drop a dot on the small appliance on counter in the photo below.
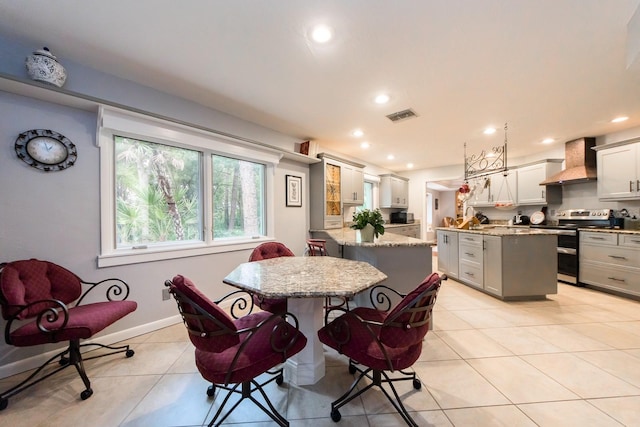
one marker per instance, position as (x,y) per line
(520,220)
(401,218)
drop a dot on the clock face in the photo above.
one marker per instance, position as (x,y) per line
(46,150)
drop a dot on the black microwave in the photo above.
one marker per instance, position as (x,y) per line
(401,218)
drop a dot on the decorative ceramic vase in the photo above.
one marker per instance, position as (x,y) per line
(367,233)
(44,67)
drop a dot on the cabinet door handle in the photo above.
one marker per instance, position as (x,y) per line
(469,254)
(468,273)
(617,257)
(596,238)
(616,279)
(638,185)
(630,186)
(542,193)
(634,241)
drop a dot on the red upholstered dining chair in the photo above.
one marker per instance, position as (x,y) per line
(379,342)
(317,247)
(230,351)
(266,251)
(43,303)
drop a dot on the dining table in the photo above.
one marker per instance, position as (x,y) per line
(305,282)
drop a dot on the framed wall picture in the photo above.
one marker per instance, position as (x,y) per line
(294,191)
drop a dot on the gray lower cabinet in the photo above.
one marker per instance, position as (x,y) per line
(610,261)
(493,264)
(410,230)
(506,266)
(470,257)
(448,253)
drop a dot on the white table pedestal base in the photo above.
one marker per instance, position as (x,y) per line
(307,367)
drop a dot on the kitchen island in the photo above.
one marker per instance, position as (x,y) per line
(510,263)
(405,260)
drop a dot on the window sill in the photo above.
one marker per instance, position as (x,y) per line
(150,254)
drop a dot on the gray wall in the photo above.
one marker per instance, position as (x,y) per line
(56,216)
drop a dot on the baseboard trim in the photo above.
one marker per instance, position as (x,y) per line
(33,362)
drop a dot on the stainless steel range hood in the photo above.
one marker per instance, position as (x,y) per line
(580,163)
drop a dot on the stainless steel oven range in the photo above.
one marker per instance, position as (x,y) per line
(566,225)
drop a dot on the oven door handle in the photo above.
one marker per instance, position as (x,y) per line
(567,251)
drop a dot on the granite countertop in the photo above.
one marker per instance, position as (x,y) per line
(351,237)
(300,277)
(610,230)
(491,230)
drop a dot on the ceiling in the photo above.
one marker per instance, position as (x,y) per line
(549,68)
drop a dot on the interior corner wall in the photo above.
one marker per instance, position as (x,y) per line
(56,216)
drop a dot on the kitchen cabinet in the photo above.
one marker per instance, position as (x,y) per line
(610,261)
(530,192)
(394,191)
(492,264)
(619,172)
(352,185)
(470,257)
(331,181)
(448,253)
(506,263)
(409,230)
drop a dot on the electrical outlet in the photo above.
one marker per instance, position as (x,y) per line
(165,294)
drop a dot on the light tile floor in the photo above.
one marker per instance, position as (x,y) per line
(570,360)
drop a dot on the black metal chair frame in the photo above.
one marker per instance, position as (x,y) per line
(379,378)
(243,302)
(72,355)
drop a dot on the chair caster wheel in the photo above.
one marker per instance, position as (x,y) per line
(86,394)
(129,353)
(352,369)
(211,390)
(4,402)
(335,415)
(417,384)
(279,379)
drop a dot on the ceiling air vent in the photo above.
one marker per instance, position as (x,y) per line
(402,115)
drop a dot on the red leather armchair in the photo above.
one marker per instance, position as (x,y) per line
(380,342)
(266,251)
(231,352)
(43,303)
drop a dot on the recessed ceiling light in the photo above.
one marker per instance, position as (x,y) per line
(383,98)
(619,119)
(390,157)
(365,144)
(321,33)
(410,165)
(548,140)
(357,133)
(489,131)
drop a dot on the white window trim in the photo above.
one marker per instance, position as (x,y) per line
(112,121)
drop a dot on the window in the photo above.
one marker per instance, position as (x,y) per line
(172,191)
(157,193)
(238,194)
(368,195)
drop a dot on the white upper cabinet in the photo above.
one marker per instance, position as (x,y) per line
(352,185)
(530,192)
(619,172)
(394,191)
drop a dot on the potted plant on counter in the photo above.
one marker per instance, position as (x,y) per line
(370,224)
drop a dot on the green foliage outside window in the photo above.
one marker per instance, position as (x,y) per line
(157,193)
